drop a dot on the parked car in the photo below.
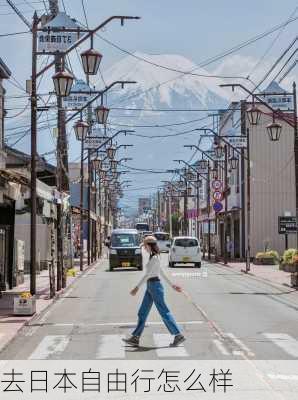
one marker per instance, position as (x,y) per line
(163,241)
(125,250)
(185,250)
(146,233)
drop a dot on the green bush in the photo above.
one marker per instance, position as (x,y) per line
(288,256)
(274,254)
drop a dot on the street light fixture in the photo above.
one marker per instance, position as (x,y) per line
(111,152)
(214,172)
(101,114)
(219,151)
(91,60)
(203,164)
(103,174)
(97,164)
(233,163)
(274,131)
(114,164)
(254,115)
(81,130)
(63,81)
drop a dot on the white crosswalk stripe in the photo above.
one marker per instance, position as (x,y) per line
(111,346)
(53,345)
(220,346)
(285,342)
(162,341)
(242,346)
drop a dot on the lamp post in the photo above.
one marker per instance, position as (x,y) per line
(62,83)
(203,166)
(81,130)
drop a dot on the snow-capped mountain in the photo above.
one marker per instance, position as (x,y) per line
(158,87)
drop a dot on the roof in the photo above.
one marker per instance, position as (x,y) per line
(273,88)
(4,70)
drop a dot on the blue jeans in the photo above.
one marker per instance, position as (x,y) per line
(155,293)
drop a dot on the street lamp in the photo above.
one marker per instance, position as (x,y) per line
(113,164)
(97,163)
(111,152)
(101,114)
(203,164)
(233,162)
(103,174)
(274,131)
(91,60)
(218,150)
(214,172)
(63,81)
(254,115)
(81,130)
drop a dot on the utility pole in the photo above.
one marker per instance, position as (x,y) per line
(33,157)
(185,210)
(226,205)
(62,166)
(208,212)
(198,206)
(89,236)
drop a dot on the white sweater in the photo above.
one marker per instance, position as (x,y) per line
(153,269)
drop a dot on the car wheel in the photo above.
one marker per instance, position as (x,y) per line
(198,265)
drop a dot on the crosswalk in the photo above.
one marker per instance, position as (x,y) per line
(111,346)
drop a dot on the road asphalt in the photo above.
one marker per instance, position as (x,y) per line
(223,314)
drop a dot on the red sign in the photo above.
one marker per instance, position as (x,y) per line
(217,184)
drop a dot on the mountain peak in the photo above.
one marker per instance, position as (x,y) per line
(159,74)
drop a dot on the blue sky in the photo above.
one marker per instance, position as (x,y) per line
(197,30)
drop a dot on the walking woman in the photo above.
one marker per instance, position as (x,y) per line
(154,294)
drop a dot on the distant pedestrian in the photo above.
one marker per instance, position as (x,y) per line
(154,294)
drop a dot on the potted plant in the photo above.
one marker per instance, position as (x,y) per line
(269,257)
(25,304)
(289,261)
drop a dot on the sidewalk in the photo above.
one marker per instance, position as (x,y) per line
(10,324)
(270,273)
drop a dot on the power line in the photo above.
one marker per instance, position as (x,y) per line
(14,34)
(218,56)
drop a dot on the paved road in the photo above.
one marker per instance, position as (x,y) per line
(224,315)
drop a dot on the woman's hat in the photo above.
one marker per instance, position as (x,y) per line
(150,240)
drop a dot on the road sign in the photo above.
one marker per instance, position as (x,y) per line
(237,141)
(80,95)
(53,40)
(93,142)
(217,206)
(287,225)
(216,184)
(217,195)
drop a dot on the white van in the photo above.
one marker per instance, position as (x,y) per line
(184,250)
(163,241)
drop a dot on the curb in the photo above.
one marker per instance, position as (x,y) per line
(278,286)
(51,303)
